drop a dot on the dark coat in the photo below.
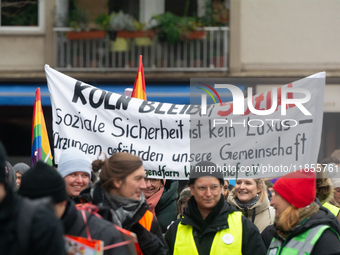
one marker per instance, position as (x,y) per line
(100,229)
(151,242)
(328,243)
(45,235)
(251,238)
(166,207)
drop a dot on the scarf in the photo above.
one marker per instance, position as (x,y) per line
(248,205)
(154,199)
(304,214)
(196,216)
(123,209)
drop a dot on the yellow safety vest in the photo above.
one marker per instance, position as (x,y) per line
(226,241)
(300,244)
(332,208)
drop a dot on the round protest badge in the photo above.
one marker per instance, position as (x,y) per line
(228,239)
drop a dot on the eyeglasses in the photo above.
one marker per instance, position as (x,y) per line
(213,188)
(152,181)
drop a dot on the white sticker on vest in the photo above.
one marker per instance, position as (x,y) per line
(228,239)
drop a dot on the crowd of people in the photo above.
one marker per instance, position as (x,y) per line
(294,214)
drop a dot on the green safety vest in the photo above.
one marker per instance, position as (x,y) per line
(332,208)
(226,241)
(302,244)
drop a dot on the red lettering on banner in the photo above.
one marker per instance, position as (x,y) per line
(226,113)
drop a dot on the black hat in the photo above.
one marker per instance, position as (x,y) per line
(204,169)
(42,180)
(3,156)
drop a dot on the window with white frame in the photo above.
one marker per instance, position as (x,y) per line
(22,15)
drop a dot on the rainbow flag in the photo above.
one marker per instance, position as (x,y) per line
(139,86)
(40,145)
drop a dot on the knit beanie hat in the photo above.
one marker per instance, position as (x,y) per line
(297,188)
(42,180)
(336,183)
(3,156)
(21,168)
(268,183)
(185,193)
(73,160)
(205,169)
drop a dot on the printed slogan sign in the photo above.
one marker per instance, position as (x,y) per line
(172,138)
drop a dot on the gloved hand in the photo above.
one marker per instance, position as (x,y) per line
(148,242)
(142,233)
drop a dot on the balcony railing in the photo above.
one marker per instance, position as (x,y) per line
(208,53)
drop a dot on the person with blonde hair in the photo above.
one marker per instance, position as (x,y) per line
(302,227)
(250,197)
(120,187)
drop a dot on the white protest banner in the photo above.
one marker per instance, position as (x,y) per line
(275,140)
(172,138)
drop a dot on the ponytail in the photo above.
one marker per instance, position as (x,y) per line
(116,167)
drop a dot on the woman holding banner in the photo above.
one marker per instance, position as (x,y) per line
(120,185)
(250,197)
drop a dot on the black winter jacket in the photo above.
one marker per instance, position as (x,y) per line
(151,242)
(328,243)
(100,229)
(251,238)
(45,235)
(166,207)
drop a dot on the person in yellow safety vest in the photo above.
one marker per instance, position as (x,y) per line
(333,209)
(120,185)
(302,227)
(331,164)
(210,225)
(324,190)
